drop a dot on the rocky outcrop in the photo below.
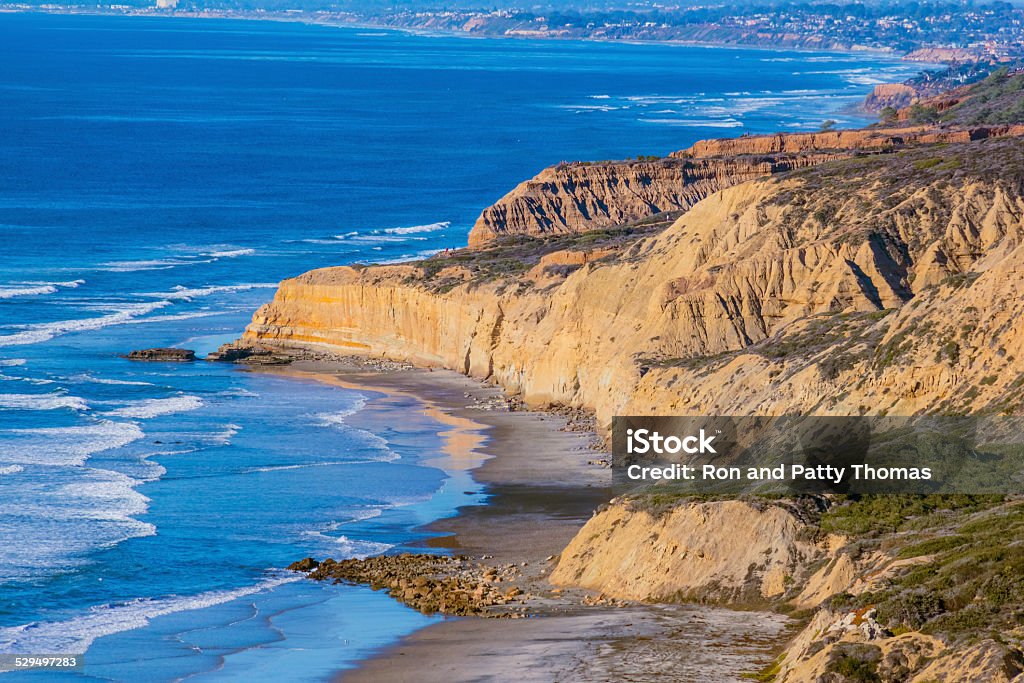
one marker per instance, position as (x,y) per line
(770,297)
(850,140)
(891,95)
(167,355)
(729,551)
(948,55)
(431,584)
(579,197)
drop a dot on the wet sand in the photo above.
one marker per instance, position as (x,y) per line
(541,491)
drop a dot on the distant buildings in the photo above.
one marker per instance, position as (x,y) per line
(166,4)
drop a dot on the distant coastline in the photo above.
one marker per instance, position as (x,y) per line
(354,21)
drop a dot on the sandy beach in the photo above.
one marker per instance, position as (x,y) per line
(542,488)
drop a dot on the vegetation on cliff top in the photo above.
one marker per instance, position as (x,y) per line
(964,576)
(509,257)
(996,100)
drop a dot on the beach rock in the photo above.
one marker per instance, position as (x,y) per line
(250,355)
(307,564)
(428,583)
(163,354)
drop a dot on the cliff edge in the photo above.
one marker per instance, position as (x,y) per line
(860,285)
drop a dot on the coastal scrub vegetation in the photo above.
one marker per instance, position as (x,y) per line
(508,257)
(997,100)
(963,579)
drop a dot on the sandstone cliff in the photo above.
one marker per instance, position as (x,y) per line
(884,283)
(917,605)
(894,95)
(577,197)
(864,285)
(730,551)
(849,140)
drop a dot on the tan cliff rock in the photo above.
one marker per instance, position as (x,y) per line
(577,197)
(894,95)
(728,551)
(889,283)
(851,140)
(768,297)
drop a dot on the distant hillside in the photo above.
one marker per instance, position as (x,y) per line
(996,100)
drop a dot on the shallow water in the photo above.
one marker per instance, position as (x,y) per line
(159,177)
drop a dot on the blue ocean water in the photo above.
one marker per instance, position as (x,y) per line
(157,178)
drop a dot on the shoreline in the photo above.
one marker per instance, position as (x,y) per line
(360,25)
(539,490)
(522,459)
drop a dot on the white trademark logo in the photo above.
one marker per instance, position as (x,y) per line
(641,441)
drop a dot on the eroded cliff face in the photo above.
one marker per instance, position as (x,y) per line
(883,602)
(578,197)
(889,283)
(866,139)
(894,95)
(730,551)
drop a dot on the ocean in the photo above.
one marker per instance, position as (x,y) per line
(158,177)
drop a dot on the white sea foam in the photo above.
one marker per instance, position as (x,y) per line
(380,238)
(147,264)
(40,332)
(230,253)
(181,292)
(157,407)
(348,548)
(414,229)
(279,468)
(695,123)
(361,516)
(174,316)
(11,292)
(224,436)
(332,241)
(66,445)
(239,392)
(51,401)
(405,258)
(11,362)
(581,108)
(76,635)
(29,380)
(374,237)
(11,469)
(85,377)
(106,495)
(35,288)
(337,418)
